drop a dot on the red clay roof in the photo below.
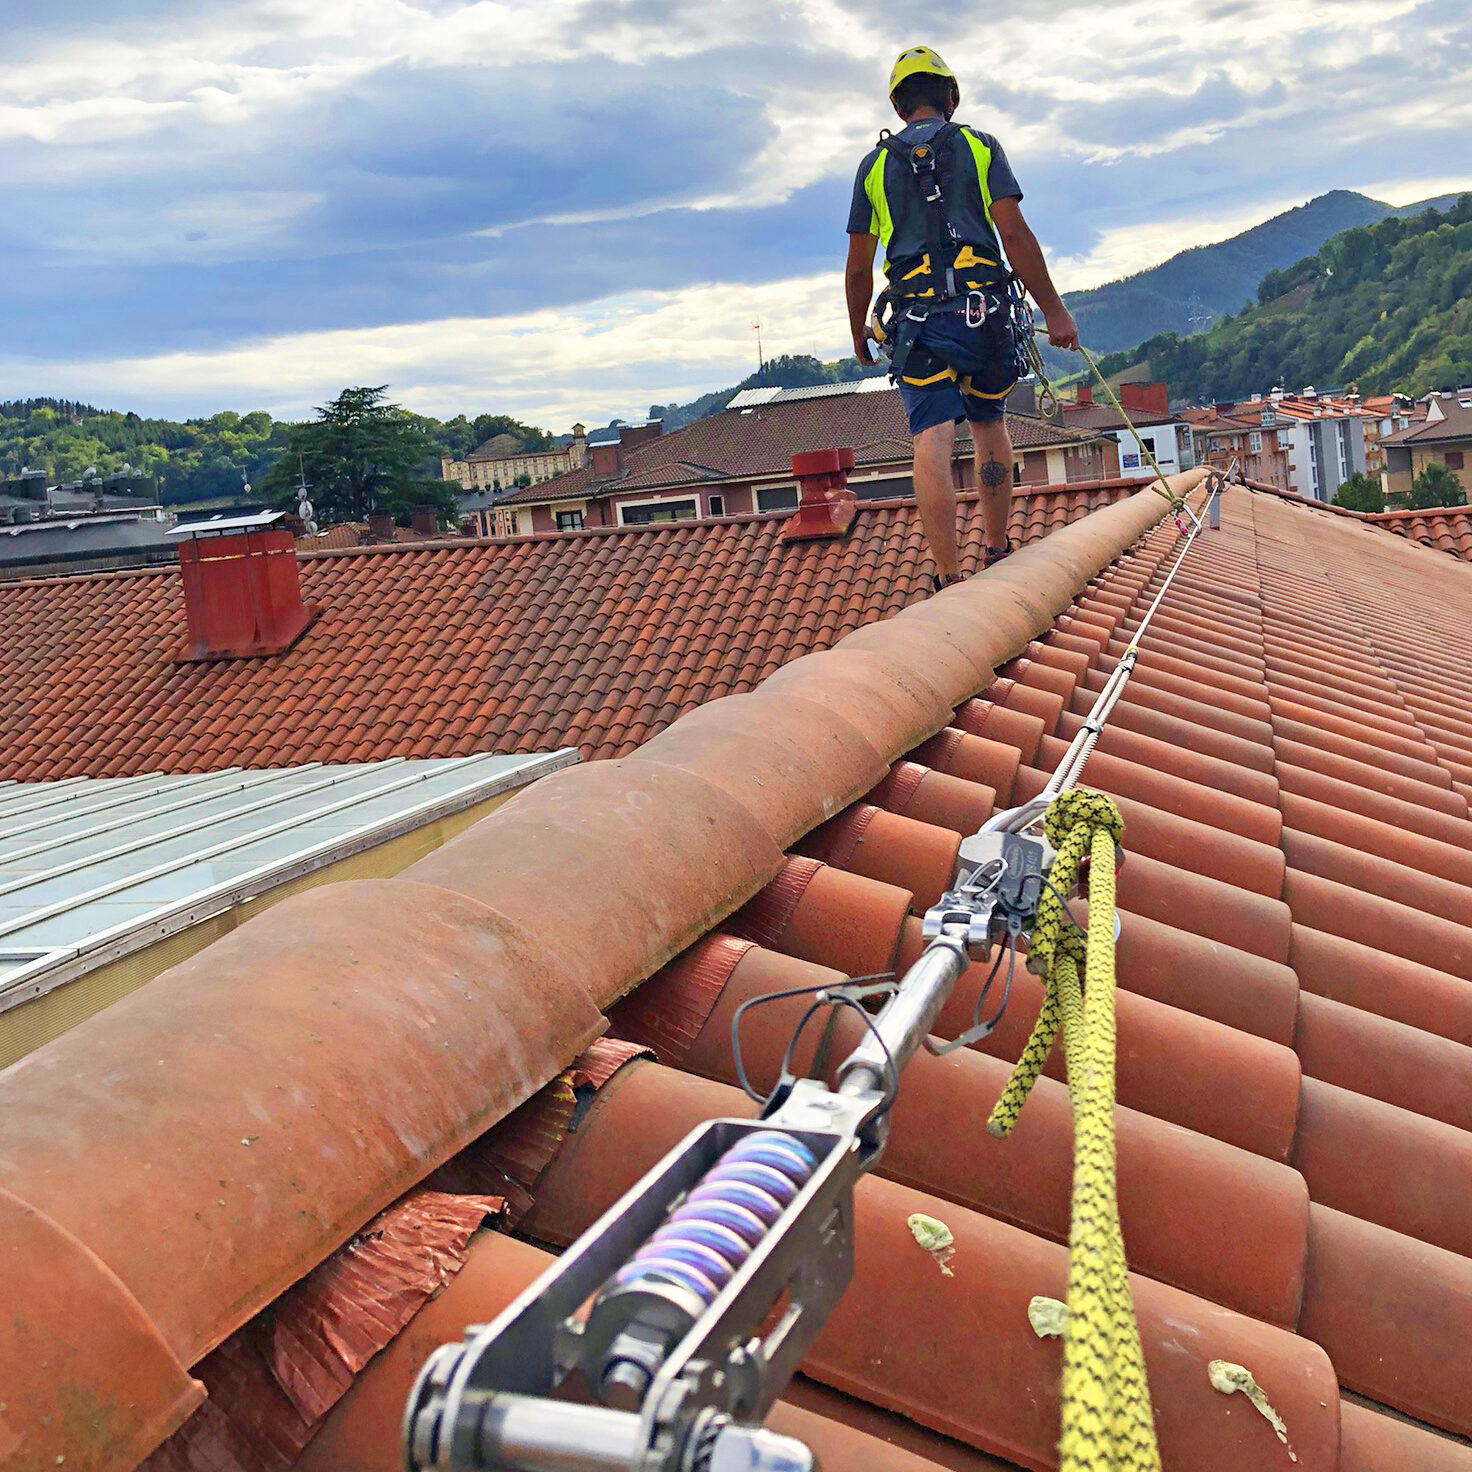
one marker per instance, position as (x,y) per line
(1096,417)
(1448,530)
(1293,759)
(592,639)
(762,441)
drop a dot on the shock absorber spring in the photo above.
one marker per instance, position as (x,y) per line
(718,1225)
(703,1243)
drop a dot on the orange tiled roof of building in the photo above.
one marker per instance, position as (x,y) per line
(763,439)
(350,534)
(1293,760)
(1448,529)
(594,639)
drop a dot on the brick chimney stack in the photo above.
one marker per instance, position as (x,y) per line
(607,459)
(1145,398)
(242,593)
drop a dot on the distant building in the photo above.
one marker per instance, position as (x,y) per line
(1444,437)
(29,496)
(500,463)
(1308,443)
(90,541)
(1393,413)
(739,461)
(1165,436)
(1248,433)
(1326,438)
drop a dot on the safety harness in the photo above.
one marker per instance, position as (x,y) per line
(952,274)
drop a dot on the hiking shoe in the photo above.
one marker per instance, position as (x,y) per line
(942,580)
(993,555)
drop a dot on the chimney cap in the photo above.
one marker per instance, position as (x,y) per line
(220,526)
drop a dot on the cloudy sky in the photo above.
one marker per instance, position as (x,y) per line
(568,209)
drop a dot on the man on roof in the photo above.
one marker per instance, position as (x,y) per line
(943,201)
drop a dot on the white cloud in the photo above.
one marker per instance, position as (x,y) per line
(1413,191)
(1117,116)
(615,356)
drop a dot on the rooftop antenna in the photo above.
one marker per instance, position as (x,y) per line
(761,362)
(304,507)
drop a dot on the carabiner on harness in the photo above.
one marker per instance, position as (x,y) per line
(976,309)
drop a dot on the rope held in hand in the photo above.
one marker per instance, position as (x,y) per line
(1108,1425)
(1048,396)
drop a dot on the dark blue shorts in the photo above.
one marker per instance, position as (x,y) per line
(956,372)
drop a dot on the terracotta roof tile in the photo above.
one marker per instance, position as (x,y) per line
(1295,962)
(1290,934)
(1448,530)
(575,638)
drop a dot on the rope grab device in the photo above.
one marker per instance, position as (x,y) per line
(680,1316)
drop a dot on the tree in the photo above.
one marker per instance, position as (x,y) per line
(1361,492)
(488,426)
(1437,485)
(360,455)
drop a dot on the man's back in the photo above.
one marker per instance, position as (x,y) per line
(973,172)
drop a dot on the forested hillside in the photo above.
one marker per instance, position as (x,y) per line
(1386,307)
(196,460)
(1192,290)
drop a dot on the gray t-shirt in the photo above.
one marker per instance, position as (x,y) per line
(973,172)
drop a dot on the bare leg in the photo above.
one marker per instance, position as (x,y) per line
(994,478)
(935,493)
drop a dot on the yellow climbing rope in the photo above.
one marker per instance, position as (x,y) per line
(1108,1425)
(1048,395)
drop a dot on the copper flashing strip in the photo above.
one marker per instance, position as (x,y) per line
(273,1381)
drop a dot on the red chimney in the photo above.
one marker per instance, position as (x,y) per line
(826,507)
(425,520)
(607,459)
(1147,398)
(630,435)
(1085,394)
(242,596)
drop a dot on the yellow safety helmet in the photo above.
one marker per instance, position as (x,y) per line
(921,61)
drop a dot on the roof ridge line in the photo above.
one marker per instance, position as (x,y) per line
(669,841)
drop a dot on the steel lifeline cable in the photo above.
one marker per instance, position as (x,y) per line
(664,1307)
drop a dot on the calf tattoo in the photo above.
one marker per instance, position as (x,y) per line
(993,473)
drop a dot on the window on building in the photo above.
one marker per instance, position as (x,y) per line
(717,505)
(780,498)
(1147,444)
(660,511)
(569,521)
(1017,472)
(1254,442)
(1454,459)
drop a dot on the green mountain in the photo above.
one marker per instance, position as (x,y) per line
(1197,287)
(1386,306)
(1183,295)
